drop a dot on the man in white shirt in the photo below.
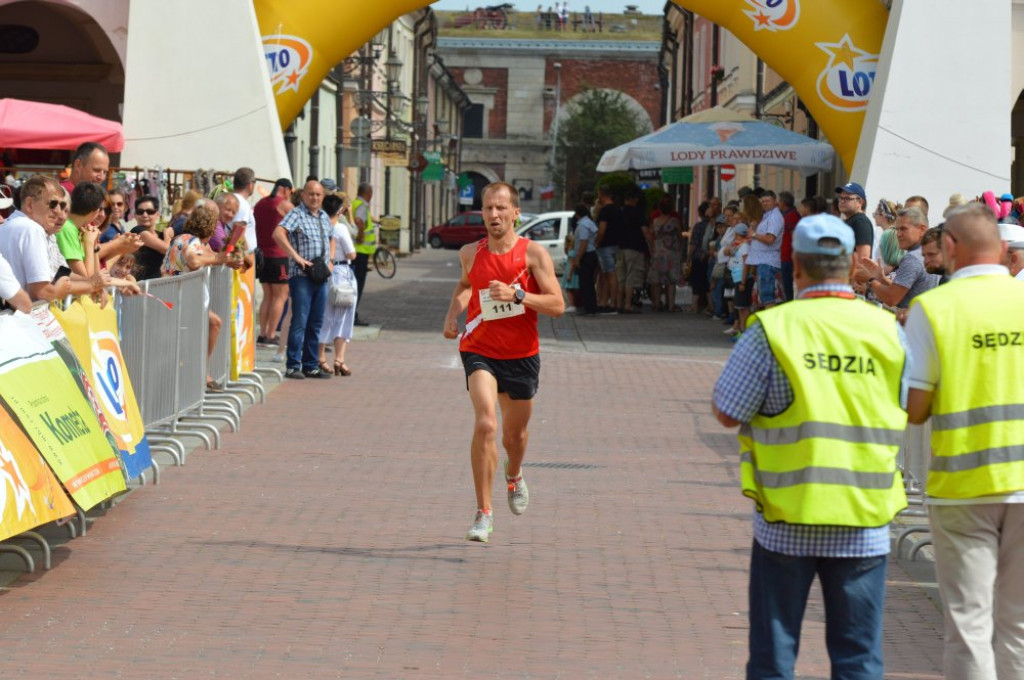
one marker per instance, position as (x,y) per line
(766,250)
(1013,236)
(23,243)
(11,291)
(968,357)
(245,185)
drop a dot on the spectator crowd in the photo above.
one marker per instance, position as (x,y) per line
(79,237)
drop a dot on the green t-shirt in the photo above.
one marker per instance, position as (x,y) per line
(70,243)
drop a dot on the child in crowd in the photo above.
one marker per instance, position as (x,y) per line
(742,275)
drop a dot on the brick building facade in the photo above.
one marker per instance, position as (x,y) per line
(515,89)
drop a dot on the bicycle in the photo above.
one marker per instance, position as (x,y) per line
(384,262)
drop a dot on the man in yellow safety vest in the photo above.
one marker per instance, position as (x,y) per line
(968,349)
(817,387)
(365,242)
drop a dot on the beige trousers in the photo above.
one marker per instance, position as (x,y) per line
(979,555)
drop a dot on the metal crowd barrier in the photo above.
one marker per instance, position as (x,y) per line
(913,460)
(248,385)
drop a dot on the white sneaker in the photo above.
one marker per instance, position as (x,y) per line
(570,309)
(482,527)
(518,494)
(278,358)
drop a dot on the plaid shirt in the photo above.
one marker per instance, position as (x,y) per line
(309,235)
(753,382)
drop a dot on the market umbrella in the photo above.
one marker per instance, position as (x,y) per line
(36,125)
(718,137)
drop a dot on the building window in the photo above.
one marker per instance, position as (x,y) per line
(16,39)
(473,122)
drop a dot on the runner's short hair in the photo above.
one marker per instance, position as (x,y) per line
(512,191)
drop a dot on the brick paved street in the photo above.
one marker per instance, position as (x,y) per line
(326,538)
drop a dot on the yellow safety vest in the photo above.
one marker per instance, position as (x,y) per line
(830,458)
(369,244)
(978,405)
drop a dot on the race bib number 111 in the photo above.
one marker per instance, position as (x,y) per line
(491,310)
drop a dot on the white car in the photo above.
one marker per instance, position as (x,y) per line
(550,229)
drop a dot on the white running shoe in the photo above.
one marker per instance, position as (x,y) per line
(482,527)
(278,358)
(518,494)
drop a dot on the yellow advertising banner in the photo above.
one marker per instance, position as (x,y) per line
(29,493)
(40,391)
(92,332)
(302,41)
(826,49)
(243,336)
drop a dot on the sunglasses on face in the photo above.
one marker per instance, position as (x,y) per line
(146,211)
(107,209)
(52,205)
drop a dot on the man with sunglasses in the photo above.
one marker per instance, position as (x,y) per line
(23,243)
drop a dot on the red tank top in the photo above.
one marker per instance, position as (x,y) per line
(514,337)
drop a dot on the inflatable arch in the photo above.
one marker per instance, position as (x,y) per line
(826,49)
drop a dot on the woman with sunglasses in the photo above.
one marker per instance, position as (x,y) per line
(154,246)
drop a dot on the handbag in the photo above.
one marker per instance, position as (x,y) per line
(341,294)
(318,271)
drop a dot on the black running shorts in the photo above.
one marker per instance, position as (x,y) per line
(519,378)
(274,270)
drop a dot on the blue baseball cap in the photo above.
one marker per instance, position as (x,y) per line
(741,229)
(811,230)
(852,188)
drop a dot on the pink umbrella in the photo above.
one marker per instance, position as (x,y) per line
(35,125)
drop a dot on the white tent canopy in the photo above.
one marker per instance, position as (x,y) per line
(719,137)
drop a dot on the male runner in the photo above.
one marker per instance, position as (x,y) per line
(506,280)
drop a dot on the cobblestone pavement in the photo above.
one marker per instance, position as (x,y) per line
(326,538)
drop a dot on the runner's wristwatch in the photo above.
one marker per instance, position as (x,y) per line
(519,296)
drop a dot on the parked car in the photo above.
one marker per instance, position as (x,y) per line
(462,229)
(550,229)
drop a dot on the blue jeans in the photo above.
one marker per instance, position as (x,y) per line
(309,302)
(767,276)
(854,594)
(718,297)
(787,280)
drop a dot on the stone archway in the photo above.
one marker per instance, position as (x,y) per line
(481,176)
(59,53)
(636,107)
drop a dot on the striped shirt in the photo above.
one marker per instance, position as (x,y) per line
(754,383)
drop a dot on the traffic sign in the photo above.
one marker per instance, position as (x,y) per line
(727,173)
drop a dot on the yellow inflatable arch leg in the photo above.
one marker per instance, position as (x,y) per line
(304,39)
(826,49)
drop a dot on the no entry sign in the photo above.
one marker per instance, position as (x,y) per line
(727,173)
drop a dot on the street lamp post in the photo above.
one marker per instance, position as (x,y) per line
(554,123)
(393,69)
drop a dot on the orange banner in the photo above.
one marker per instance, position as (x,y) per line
(29,493)
(243,323)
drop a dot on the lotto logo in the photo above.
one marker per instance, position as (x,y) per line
(845,83)
(288,60)
(107,374)
(773,15)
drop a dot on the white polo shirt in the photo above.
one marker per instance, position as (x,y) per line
(9,285)
(23,245)
(244,214)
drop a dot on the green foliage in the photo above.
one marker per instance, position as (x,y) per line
(616,184)
(652,198)
(596,121)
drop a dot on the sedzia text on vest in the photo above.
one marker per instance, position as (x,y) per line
(836,363)
(995,340)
